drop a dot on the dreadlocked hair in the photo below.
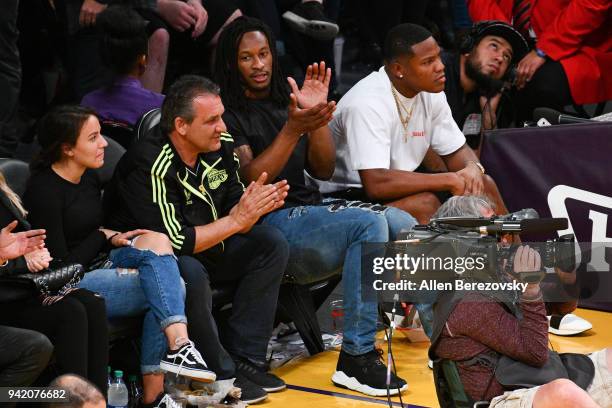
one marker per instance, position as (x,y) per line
(227,74)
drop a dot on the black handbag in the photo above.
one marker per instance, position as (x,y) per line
(50,285)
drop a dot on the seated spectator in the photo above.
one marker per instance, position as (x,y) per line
(475,328)
(82,57)
(75,324)
(571,58)
(476,78)
(183,180)
(281,131)
(80,393)
(386,123)
(64,197)
(124,51)
(25,352)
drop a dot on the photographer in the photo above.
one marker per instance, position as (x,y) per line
(479,330)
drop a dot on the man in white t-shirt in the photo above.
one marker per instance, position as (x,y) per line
(384,126)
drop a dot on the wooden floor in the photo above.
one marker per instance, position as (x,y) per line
(309,383)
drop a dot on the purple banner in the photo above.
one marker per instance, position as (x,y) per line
(561,171)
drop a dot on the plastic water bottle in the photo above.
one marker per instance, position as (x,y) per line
(109,379)
(118,393)
(135,391)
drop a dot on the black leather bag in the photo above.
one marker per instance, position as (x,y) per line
(50,285)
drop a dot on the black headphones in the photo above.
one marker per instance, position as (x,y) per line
(479,30)
(470,40)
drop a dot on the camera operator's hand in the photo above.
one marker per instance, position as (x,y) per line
(527,259)
(473,177)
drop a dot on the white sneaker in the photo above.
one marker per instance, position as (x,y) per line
(567,325)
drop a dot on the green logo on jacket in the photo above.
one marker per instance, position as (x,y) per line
(216,177)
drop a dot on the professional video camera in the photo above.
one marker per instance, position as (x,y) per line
(480,238)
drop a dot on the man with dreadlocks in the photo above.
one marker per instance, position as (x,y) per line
(282,130)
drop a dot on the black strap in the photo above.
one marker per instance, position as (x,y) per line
(555,321)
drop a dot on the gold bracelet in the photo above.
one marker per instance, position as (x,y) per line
(479,165)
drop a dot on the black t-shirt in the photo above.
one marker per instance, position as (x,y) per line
(462,105)
(258,127)
(71,214)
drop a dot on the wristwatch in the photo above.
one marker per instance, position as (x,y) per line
(480,166)
(540,53)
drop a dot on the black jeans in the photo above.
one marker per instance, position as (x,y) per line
(25,354)
(254,262)
(76,325)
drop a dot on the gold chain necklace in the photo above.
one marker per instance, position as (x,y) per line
(400,106)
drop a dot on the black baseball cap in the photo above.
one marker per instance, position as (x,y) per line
(520,47)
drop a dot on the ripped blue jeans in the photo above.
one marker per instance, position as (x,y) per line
(326,238)
(155,291)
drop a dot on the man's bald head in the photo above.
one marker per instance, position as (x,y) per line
(80,392)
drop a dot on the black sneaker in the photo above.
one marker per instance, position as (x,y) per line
(187,361)
(249,393)
(367,374)
(258,375)
(309,18)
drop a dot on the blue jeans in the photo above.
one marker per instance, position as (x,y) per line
(323,239)
(155,291)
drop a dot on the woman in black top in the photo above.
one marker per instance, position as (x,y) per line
(76,324)
(64,197)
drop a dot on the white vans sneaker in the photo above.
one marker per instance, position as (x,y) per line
(567,325)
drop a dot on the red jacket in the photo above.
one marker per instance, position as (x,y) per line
(577,33)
